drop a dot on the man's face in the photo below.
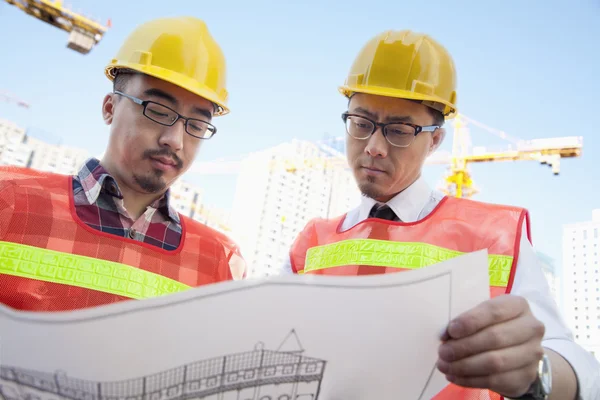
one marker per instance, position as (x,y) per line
(382,170)
(145,155)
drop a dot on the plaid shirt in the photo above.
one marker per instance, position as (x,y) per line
(99,204)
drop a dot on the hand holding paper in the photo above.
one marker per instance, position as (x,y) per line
(496,345)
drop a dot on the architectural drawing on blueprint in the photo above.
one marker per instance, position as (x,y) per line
(259,374)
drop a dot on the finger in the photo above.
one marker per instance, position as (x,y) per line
(495,362)
(510,384)
(511,333)
(490,312)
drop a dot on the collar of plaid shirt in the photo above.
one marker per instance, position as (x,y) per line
(98,201)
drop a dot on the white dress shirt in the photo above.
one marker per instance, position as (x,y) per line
(418,200)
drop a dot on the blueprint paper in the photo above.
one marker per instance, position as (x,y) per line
(281,338)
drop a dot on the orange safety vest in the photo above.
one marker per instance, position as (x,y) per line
(52,261)
(377,246)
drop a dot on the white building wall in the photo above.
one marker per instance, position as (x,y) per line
(185,197)
(581,281)
(58,159)
(274,201)
(12,149)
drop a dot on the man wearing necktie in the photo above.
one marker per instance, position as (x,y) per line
(401,89)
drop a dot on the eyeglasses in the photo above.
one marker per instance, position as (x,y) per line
(399,134)
(165,116)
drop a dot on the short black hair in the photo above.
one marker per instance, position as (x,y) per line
(438,116)
(122,78)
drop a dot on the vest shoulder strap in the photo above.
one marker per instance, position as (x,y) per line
(309,237)
(206,237)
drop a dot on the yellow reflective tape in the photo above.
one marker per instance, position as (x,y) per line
(86,272)
(395,255)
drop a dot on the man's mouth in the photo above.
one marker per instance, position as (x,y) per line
(164,163)
(372,170)
(165,160)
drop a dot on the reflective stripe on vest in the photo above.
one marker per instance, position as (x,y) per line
(395,255)
(85,272)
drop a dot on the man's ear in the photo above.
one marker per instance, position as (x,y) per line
(437,138)
(108,108)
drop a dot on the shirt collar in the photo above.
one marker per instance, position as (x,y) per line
(407,204)
(164,206)
(95,179)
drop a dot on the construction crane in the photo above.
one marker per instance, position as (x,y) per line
(548,151)
(84,33)
(10,98)
(458,181)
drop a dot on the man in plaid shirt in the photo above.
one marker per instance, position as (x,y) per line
(110,233)
(99,203)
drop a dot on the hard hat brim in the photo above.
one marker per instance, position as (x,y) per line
(172,77)
(449,111)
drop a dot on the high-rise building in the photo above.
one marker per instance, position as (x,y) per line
(216,218)
(581,276)
(278,191)
(54,158)
(12,149)
(187,199)
(19,149)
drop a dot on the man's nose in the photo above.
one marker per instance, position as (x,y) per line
(173,136)
(377,145)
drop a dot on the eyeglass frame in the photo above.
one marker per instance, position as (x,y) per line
(418,128)
(145,103)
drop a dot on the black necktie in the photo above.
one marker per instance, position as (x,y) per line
(383,211)
(379,232)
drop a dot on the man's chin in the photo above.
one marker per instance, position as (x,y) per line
(370,189)
(151,185)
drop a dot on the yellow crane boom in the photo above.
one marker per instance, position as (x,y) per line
(84,33)
(458,181)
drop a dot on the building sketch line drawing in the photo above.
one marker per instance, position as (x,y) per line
(260,374)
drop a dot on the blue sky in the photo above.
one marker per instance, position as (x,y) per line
(528,68)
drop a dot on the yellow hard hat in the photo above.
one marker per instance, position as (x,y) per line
(178,50)
(406,65)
